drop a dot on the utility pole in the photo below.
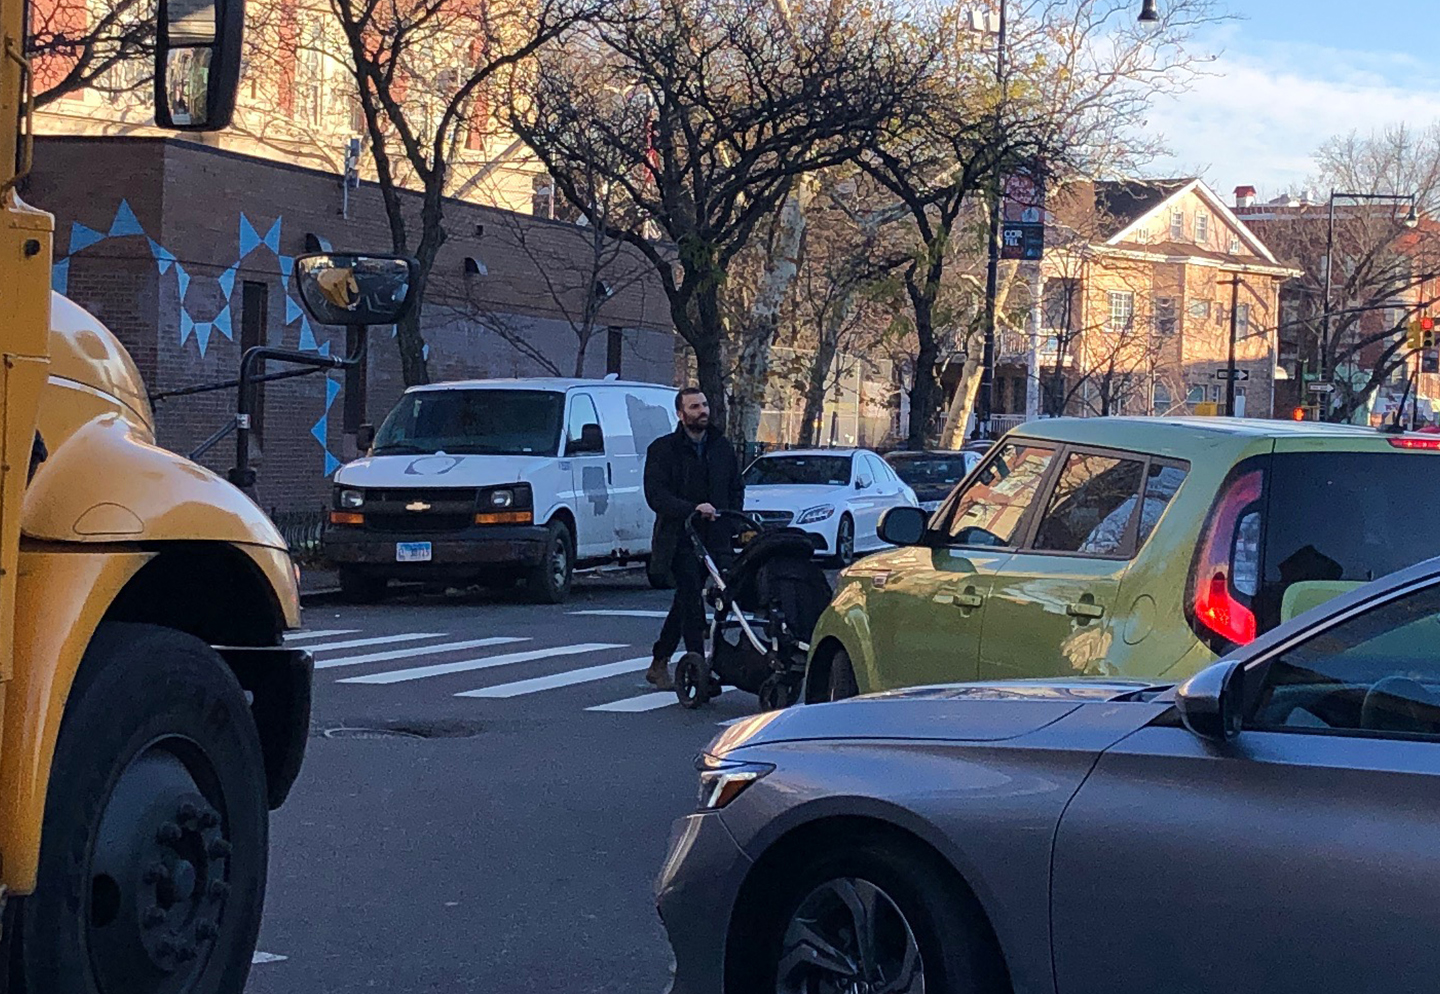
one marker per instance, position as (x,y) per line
(992,271)
(1230,364)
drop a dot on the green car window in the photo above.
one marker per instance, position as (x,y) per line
(1092,505)
(991,509)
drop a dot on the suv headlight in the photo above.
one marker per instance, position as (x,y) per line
(351,498)
(722,780)
(813,514)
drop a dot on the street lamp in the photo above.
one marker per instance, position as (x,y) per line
(1149,18)
(1411,220)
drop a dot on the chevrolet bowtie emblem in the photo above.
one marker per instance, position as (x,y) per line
(418,505)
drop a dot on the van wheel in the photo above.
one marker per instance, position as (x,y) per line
(362,588)
(153,852)
(842,677)
(549,582)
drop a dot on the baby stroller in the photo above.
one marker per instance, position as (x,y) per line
(765,606)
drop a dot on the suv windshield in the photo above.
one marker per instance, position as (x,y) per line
(930,470)
(487,422)
(831,471)
(1346,516)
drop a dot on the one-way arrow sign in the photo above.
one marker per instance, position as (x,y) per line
(1240,374)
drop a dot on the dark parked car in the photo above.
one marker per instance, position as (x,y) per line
(1269,825)
(932,474)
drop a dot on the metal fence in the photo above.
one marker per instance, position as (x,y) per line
(302,531)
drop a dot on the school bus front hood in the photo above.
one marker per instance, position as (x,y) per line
(85,356)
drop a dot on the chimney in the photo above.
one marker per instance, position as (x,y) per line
(1244,196)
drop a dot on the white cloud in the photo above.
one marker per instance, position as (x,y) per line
(1260,117)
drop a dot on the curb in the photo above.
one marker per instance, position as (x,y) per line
(319,596)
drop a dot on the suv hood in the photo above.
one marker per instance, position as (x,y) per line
(972,712)
(427,471)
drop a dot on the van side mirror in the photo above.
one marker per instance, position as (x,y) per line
(353,288)
(902,526)
(1212,702)
(591,440)
(365,437)
(197,63)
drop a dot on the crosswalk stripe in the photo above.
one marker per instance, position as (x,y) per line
(298,636)
(379,640)
(567,679)
(466,665)
(417,650)
(645,702)
(621,614)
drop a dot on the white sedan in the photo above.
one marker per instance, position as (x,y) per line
(837,495)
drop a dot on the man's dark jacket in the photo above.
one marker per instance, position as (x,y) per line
(676,480)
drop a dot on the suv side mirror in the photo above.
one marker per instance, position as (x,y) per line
(1212,702)
(197,63)
(902,526)
(591,440)
(365,438)
(354,288)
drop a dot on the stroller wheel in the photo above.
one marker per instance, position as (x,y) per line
(692,680)
(776,693)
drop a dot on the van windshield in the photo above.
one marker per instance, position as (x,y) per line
(484,422)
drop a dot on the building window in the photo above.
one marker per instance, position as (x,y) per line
(1161,399)
(1060,303)
(1196,395)
(1177,224)
(1234,245)
(1242,320)
(1165,315)
(254,319)
(1202,228)
(614,344)
(1216,393)
(1122,311)
(1198,309)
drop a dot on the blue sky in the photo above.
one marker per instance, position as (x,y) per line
(1291,73)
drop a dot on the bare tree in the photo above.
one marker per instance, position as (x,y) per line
(76,45)
(703,113)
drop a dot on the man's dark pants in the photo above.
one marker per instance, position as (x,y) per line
(687,611)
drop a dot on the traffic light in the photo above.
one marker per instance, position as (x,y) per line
(1298,414)
(1420,333)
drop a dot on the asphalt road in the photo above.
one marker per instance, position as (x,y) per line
(500,842)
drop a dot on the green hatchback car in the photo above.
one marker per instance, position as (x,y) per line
(1136,547)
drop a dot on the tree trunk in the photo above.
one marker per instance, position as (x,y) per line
(925,390)
(701,327)
(764,317)
(818,380)
(964,401)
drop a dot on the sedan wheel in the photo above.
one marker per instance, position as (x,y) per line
(845,541)
(850,937)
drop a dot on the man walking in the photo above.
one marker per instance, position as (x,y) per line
(692,469)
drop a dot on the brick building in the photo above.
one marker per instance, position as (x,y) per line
(186,253)
(1133,305)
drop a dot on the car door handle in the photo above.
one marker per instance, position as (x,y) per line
(1085,609)
(609,474)
(969,600)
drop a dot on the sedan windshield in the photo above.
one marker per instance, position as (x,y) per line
(930,471)
(833,471)
(487,422)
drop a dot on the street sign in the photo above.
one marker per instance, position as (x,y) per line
(1240,374)
(1022,233)
(1319,387)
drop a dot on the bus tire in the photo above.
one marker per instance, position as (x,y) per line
(154,844)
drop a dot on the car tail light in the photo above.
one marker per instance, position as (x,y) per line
(1405,442)
(1226,573)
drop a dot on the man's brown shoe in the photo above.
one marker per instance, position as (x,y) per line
(659,674)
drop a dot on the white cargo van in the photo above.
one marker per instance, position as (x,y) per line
(494,480)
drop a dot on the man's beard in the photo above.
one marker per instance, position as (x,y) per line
(698,424)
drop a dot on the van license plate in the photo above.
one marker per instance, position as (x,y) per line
(412,552)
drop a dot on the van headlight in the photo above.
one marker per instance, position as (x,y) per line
(351,498)
(811,515)
(501,498)
(723,780)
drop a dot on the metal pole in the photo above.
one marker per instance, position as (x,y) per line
(992,272)
(1230,382)
(1323,399)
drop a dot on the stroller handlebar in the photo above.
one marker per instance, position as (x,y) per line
(720,515)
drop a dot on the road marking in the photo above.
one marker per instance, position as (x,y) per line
(466,665)
(297,636)
(567,679)
(645,702)
(622,614)
(416,650)
(260,957)
(379,640)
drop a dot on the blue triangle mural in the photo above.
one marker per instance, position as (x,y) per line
(227,280)
(187,325)
(321,431)
(182,279)
(292,310)
(324,348)
(83,237)
(222,323)
(249,240)
(60,276)
(307,335)
(332,389)
(163,256)
(425,351)
(287,267)
(202,335)
(331,463)
(272,237)
(125,223)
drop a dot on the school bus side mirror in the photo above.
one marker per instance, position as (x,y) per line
(348,288)
(197,63)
